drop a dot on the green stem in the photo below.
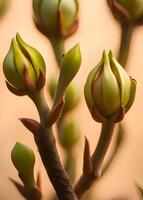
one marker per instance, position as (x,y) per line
(86,180)
(102,146)
(126,36)
(70,165)
(40,102)
(58,47)
(70,160)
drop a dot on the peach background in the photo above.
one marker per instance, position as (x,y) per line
(97,31)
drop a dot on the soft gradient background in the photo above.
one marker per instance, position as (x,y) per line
(97,31)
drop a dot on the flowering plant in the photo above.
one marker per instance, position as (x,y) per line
(109,93)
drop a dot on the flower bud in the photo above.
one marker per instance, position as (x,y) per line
(23,159)
(55,16)
(3,4)
(23,66)
(52,85)
(109,91)
(127,10)
(69,134)
(69,68)
(71,98)
(71,64)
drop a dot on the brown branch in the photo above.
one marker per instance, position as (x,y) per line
(57,175)
(45,141)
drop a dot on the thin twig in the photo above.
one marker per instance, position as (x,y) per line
(87,179)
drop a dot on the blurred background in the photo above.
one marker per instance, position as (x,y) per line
(97,31)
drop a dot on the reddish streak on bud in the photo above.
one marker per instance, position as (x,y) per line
(28,81)
(60,20)
(41,80)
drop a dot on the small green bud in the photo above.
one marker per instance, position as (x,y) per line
(52,85)
(23,159)
(72,98)
(69,67)
(109,91)
(3,4)
(71,64)
(55,17)
(69,134)
(127,10)
(23,66)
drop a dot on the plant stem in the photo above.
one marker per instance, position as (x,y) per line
(49,154)
(118,142)
(70,165)
(86,181)
(126,36)
(40,102)
(102,146)
(58,47)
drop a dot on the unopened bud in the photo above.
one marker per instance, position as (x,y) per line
(52,85)
(23,159)
(23,66)
(55,17)
(109,91)
(127,10)
(72,98)
(69,68)
(70,64)
(69,134)
(3,4)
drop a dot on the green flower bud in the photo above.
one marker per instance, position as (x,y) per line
(23,159)
(71,98)
(23,66)
(109,91)
(3,4)
(69,134)
(70,66)
(127,10)
(55,16)
(52,85)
